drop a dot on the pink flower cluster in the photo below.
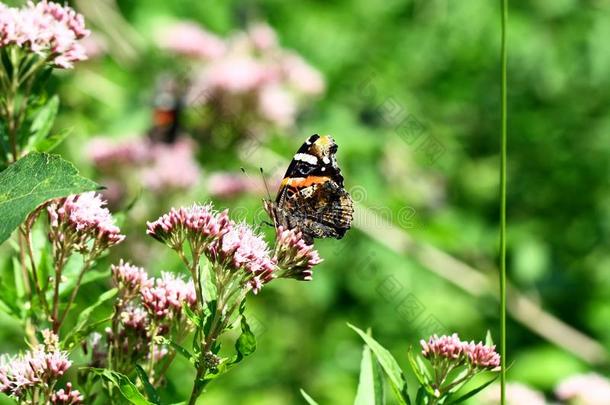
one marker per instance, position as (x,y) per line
(242,249)
(516,394)
(79,219)
(171,167)
(293,256)
(229,185)
(39,367)
(48,29)
(160,167)
(107,155)
(134,317)
(199,223)
(585,389)
(189,39)
(164,300)
(129,278)
(67,396)
(451,347)
(245,73)
(235,247)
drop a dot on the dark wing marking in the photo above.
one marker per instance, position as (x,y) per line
(295,165)
(321,212)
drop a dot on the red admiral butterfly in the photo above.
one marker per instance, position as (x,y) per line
(311,196)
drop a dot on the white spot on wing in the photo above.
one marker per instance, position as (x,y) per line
(304,157)
(326,160)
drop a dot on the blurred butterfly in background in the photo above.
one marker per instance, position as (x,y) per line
(167,108)
(311,196)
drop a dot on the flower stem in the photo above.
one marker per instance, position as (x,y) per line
(59,264)
(503,158)
(58,322)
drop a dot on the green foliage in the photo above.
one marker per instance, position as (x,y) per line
(389,365)
(151,392)
(437,60)
(39,138)
(308,398)
(370,386)
(246,342)
(127,389)
(84,324)
(33,180)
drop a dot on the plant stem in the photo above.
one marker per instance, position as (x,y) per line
(59,264)
(153,345)
(197,387)
(24,266)
(58,322)
(27,235)
(503,158)
(215,328)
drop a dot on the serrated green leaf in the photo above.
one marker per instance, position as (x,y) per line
(151,392)
(31,181)
(127,389)
(370,385)
(389,365)
(309,399)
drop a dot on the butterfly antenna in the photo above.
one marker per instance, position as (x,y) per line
(265,183)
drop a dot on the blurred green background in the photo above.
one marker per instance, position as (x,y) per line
(436,62)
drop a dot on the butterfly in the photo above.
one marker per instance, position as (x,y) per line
(311,196)
(167,108)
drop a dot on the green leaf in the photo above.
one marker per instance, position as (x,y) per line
(420,399)
(309,399)
(127,389)
(53,140)
(192,316)
(489,341)
(370,386)
(179,349)
(420,371)
(389,365)
(246,343)
(8,301)
(151,392)
(18,278)
(31,181)
(42,123)
(473,392)
(83,320)
(90,276)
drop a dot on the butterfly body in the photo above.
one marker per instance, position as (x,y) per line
(311,196)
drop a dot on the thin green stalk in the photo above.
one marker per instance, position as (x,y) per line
(58,322)
(503,158)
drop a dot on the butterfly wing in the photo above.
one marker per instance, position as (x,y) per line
(311,196)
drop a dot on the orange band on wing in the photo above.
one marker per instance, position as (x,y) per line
(304,181)
(164,117)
